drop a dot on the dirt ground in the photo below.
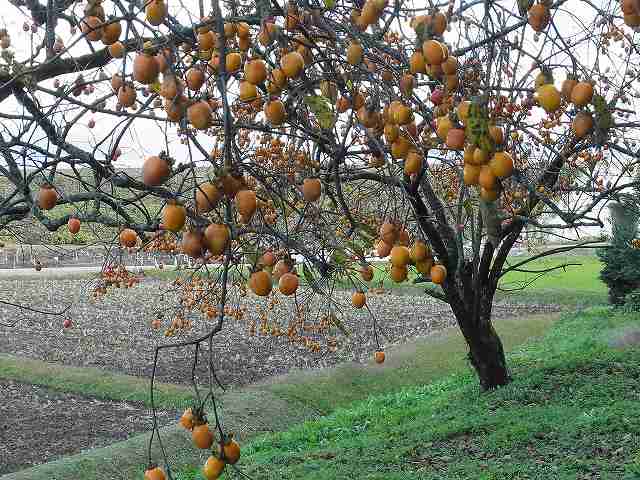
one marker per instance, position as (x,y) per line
(39,425)
(115,332)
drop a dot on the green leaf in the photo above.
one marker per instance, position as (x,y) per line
(422,33)
(308,276)
(357,249)
(604,120)
(338,257)
(338,323)
(329,4)
(468,208)
(321,108)
(524,6)
(155,86)
(366,231)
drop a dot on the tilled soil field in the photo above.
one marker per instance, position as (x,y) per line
(115,332)
(38,425)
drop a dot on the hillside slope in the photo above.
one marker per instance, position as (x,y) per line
(572,412)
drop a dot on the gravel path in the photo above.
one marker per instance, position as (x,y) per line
(39,425)
(115,332)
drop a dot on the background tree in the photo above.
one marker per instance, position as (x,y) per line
(621,258)
(283,142)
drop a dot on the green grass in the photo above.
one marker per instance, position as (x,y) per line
(410,364)
(572,412)
(93,382)
(576,286)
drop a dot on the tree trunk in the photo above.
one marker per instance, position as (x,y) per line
(487,355)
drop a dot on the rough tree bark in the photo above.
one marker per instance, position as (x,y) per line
(470,295)
(486,353)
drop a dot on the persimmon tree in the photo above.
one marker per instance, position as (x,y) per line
(282,144)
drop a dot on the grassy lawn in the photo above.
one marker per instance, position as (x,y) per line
(575,286)
(417,416)
(93,382)
(411,364)
(572,412)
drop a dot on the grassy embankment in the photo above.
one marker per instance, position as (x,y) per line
(572,412)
